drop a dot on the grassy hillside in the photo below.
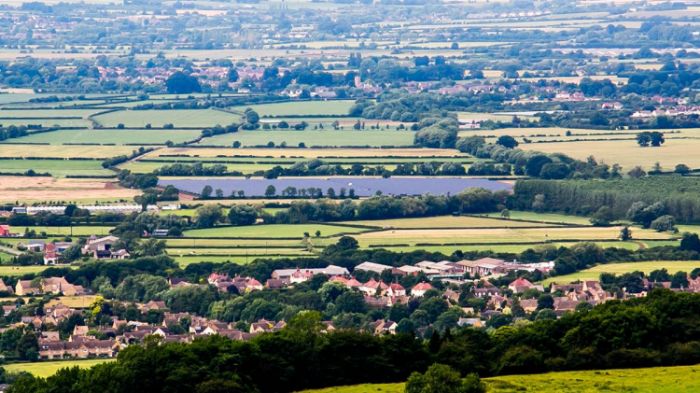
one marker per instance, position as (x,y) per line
(645,380)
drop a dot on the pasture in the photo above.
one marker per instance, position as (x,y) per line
(544,217)
(116,137)
(311,138)
(58,168)
(271,231)
(627,153)
(49,368)
(198,118)
(301,108)
(445,222)
(64,151)
(621,268)
(641,380)
(66,231)
(15,271)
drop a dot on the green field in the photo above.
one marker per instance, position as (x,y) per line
(505,248)
(66,231)
(66,123)
(626,267)
(56,167)
(45,113)
(241,260)
(301,108)
(446,222)
(680,379)
(544,217)
(48,368)
(372,138)
(117,137)
(157,118)
(6,270)
(272,231)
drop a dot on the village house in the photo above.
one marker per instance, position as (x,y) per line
(420,289)
(102,248)
(521,285)
(330,271)
(5,231)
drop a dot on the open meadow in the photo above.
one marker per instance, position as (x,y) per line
(185,118)
(114,137)
(627,267)
(301,108)
(57,168)
(311,138)
(680,379)
(64,151)
(628,153)
(49,368)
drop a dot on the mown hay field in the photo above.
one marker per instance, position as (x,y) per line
(628,153)
(445,222)
(306,153)
(116,137)
(498,235)
(372,138)
(272,231)
(627,267)
(64,151)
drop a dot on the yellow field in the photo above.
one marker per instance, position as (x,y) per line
(74,301)
(628,153)
(307,153)
(620,268)
(680,379)
(497,235)
(64,151)
(47,369)
(446,222)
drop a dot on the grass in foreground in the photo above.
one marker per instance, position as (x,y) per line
(681,379)
(46,369)
(626,267)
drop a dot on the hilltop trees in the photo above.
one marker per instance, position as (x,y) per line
(181,83)
(653,138)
